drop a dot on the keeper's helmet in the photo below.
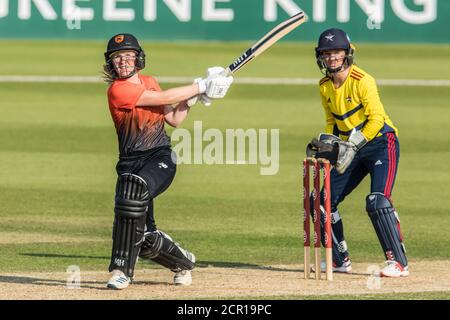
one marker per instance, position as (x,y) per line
(124,41)
(334,39)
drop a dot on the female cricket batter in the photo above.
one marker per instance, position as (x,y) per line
(145,168)
(367,144)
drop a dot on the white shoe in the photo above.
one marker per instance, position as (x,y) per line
(394,269)
(345,268)
(118,280)
(183,277)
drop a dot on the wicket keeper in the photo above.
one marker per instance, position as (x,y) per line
(360,139)
(146,166)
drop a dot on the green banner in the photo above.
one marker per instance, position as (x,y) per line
(364,20)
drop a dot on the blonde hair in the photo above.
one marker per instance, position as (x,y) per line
(107,75)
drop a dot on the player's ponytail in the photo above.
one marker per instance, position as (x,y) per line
(107,75)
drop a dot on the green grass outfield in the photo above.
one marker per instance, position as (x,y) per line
(58,151)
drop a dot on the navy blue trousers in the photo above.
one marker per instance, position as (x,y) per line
(379,158)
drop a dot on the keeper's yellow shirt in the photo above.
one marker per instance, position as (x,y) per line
(355,104)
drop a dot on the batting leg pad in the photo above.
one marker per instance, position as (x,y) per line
(386,224)
(132,198)
(160,248)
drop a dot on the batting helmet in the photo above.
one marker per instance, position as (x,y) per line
(124,41)
(334,39)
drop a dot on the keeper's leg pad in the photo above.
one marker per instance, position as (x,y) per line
(385,222)
(160,248)
(131,201)
(339,246)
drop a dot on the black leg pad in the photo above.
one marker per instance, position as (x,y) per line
(160,248)
(132,198)
(385,222)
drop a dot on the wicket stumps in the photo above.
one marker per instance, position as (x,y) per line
(318,165)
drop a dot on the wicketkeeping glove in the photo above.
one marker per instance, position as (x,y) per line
(348,150)
(320,149)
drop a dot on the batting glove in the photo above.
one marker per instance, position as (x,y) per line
(202,97)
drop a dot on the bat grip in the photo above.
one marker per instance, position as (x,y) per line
(227,72)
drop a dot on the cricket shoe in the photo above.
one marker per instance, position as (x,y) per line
(346,267)
(118,280)
(182,278)
(393,269)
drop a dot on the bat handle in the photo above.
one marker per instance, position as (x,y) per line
(227,72)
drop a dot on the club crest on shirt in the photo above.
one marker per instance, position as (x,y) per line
(348,99)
